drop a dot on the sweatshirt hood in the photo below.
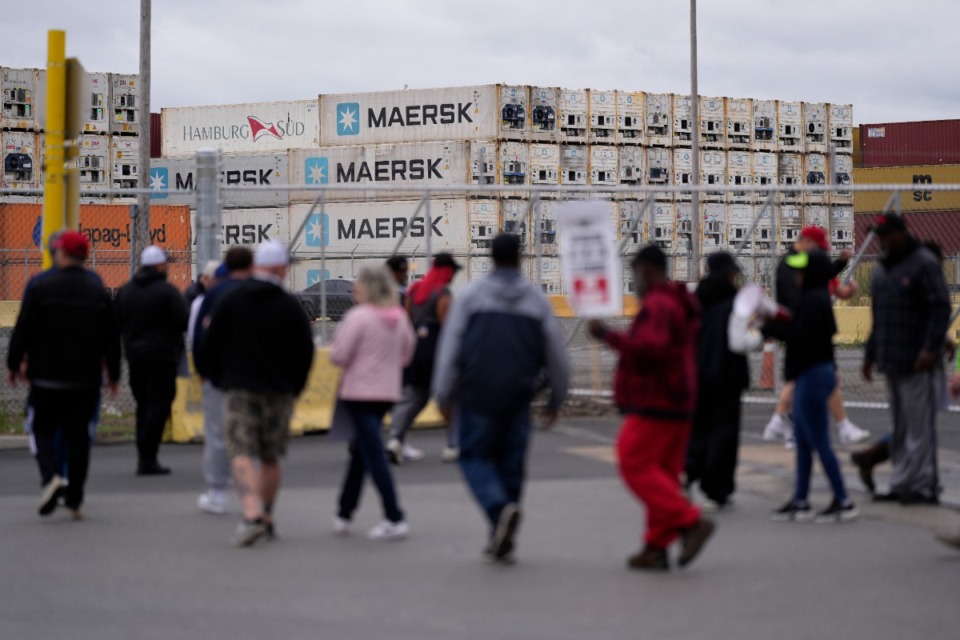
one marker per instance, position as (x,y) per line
(508,285)
(148,275)
(390,316)
(714,290)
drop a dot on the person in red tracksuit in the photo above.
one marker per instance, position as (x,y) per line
(655,389)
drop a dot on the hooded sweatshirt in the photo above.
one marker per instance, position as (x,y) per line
(499,339)
(372,344)
(717,366)
(152,316)
(656,376)
(259,340)
(809,334)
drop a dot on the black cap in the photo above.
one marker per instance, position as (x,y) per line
(397,263)
(721,264)
(651,255)
(445,260)
(505,249)
(887,222)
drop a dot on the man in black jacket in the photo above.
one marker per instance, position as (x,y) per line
(911,312)
(153,317)
(64,336)
(721,376)
(259,349)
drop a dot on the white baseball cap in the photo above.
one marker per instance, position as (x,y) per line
(271,254)
(152,256)
(210,269)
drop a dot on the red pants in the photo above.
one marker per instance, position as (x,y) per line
(652,454)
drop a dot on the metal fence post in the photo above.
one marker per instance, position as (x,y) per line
(208,207)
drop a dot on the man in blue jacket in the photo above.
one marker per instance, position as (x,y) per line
(499,338)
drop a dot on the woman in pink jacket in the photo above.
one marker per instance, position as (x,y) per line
(373,343)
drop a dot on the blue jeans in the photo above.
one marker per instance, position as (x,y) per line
(367,456)
(811,428)
(493,451)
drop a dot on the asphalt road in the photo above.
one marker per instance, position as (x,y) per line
(146,564)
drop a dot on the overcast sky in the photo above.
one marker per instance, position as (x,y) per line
(893,60)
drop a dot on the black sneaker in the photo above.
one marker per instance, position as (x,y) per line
(507,524)
(793,511)
(837,512)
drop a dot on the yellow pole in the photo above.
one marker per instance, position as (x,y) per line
(55,130)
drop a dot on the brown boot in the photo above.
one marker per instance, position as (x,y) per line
(867,459)
(694,539)
(649,558)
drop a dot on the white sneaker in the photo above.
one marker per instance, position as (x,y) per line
(779,428)
(450,454)
(395,451)
(411,453)
(851,433)
(387,530)
(214,501)
(341,526)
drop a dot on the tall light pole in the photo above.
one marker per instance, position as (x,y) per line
(141,224)
(693,268)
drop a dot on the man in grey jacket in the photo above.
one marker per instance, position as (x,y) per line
(499,339)
(911,310)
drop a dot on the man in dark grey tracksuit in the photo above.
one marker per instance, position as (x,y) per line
(911,310)
(499,337)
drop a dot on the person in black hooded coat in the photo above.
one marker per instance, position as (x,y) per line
(722,375)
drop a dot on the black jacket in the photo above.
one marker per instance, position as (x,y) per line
(258,340)
(809,334)
(67,332)
(717,366)
(788,293)
(152,316)
(911,309)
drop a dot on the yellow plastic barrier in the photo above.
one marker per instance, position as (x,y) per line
(313,411)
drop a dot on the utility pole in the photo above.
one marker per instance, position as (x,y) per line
(693,268)
(141,224)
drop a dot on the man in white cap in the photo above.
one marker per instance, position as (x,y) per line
(152,316)
(259,349)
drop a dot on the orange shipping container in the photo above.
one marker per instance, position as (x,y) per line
(107,227)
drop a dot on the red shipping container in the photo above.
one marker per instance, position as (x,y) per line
(156,134)
(943,227)
(900,144)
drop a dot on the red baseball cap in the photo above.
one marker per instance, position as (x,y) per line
(818,235)
(73,244)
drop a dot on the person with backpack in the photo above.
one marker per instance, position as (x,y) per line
(427,302)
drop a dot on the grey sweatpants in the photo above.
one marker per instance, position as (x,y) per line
(406,411)
(414,400)
(216,462)
(914,403)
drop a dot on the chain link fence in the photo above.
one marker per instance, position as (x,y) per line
(334,231)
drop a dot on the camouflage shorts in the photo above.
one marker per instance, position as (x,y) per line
(257,424)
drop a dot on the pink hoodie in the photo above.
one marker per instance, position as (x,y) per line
(373,345)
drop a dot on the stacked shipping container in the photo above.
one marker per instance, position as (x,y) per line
(108,146)
(918,153)
(505,136)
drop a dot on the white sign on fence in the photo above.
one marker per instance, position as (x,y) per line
(589,258)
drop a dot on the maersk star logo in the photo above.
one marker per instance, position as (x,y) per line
(318,227)
(316,275)
(159,182)
(317,170)
(348,118)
